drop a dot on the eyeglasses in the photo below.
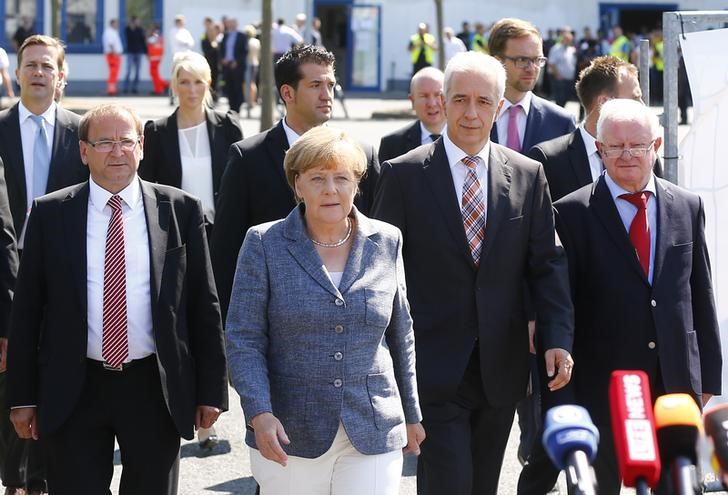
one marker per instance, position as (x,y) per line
(526,62)
(636,151)
(107,146)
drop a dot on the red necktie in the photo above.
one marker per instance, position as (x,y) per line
(639,230)
(513,141)
(473,209)
(115,344)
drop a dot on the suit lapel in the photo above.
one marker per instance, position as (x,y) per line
(413,136)
(437,172)
(534,121)
(665,210)
(170,141)
(578,159)
(303,250)
(499,186)
(62,136)
(75,218)
(277,145)
(362,250)
(606,212)
(157,213)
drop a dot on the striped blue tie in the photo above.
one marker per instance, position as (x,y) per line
(41,158)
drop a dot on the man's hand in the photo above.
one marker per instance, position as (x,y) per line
(415,436)
(558,365)
(24,421)
(205,416)
(532,336)
(3,354)
(269,434)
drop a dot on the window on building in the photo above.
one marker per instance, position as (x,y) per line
(81,23)
(22,18)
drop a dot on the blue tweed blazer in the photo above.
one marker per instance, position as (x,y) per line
(315,355)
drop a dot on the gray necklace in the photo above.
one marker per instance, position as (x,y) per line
(335,243)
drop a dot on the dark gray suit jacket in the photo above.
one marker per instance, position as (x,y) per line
(453,301)
(254,190)
(8,257)
(66,167)
(400,141)
(48,332)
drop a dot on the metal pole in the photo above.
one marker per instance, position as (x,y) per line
(671,25)
(645,70)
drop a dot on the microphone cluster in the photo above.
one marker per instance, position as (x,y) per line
(647,439)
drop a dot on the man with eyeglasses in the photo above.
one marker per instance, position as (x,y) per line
(115,332)
(525,119)
(39,147)
(640,278)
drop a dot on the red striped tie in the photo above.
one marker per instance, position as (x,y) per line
(115,345)
(473,208)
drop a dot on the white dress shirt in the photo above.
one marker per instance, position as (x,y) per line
(112,41)
(425,134)
(28,134)
(595,161)
(501,124)
(627,212)
(291,135)
(196,158)
(138,275)
(459,170)
(182,40)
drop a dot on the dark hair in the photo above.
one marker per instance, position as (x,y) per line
(288,67)
(43,40)
(506,29)
(601,77)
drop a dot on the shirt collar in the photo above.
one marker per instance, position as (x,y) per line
(590,143)
(291,135)
(49,115)
(424,133)
(525,104)
(616,190)
(99,197)
(455,154)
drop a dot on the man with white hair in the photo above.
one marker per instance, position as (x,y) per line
(452,44)
(478,225)
(640,278)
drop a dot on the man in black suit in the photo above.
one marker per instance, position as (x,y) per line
(39,158)
(233,54)
(640,277)
(477,224)
(572,161)
(426,97)
(525,119)
(115,328)
(254,187)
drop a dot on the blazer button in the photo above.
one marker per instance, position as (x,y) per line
(653,303)
(338,383)
(338,356)
(339,302)
(339,329)
(651,344)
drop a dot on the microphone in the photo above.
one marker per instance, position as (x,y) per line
(679,425)
(716,427)
(570,439)
(633,427)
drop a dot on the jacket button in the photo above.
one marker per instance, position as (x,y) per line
(339,329)
(338,356)
(653,303)
(338,383)
(338,302)
(651,344)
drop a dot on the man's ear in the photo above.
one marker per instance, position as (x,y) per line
(287,93)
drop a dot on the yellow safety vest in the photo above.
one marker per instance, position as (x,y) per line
(659,58)
(416,42)
(480,43)
(620,48)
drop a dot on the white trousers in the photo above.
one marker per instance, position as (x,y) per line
(341,470)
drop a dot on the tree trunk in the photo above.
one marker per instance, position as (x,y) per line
(439,37)
(266,68)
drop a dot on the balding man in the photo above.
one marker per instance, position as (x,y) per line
(426,97)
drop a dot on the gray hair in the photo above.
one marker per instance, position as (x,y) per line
(627,110)
(478,63)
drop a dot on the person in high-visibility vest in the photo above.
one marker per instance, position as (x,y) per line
(422,46)
(658,66)
(480,40)
(155,50)
(620,45)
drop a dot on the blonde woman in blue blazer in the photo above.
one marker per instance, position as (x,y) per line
(319,336)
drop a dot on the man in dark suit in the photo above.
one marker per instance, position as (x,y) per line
(638,242)
(572,160)
(254,188)
(525,119)
(426,97)
(477,224)
(115,329)
(233,54)
(39,157)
